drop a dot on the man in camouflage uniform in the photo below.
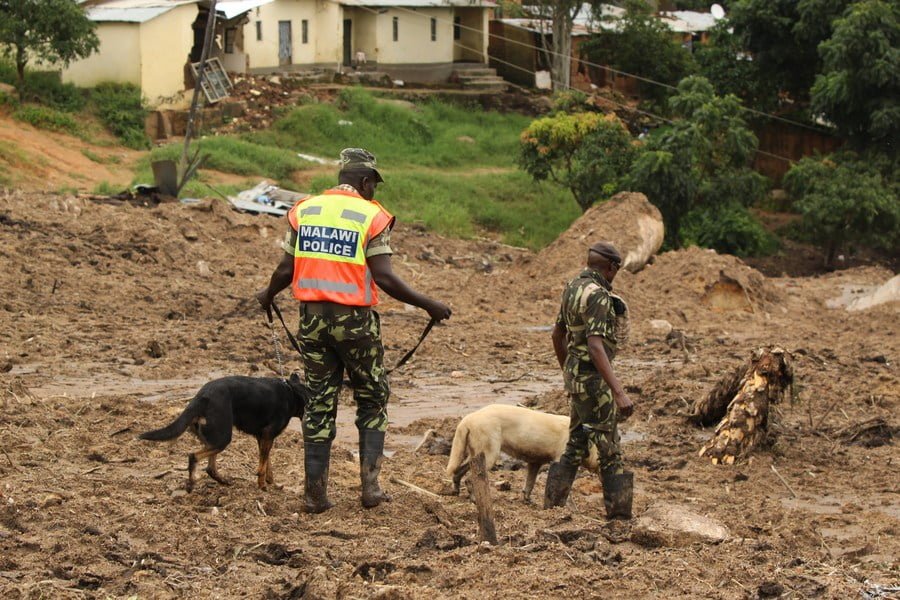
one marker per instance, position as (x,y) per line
(585,339)
(337,337)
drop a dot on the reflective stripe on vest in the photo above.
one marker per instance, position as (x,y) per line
(329,254)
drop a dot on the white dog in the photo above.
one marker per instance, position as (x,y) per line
(529,435)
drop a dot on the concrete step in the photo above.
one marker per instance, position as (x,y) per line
(486,86)
(467,78)
(474,71)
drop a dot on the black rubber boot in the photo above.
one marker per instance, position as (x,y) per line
(317,456)
(559,483)
(371,455)
(618,492)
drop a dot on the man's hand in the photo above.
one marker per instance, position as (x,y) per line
(438,310)
(624,404)
(265,300)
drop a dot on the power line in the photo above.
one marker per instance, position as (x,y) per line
(569,87)
(599,66)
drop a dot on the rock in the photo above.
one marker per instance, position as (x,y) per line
(671,525)
(203,268)
(661,326)
(190,234)
(178,493)
(457,374)
(156,349)
(51,500)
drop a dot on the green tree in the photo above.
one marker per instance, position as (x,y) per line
(701,161)
(46,31)
(588,153)
(783,37)
(845,201)
(859,87)
(731,70)
(642,44)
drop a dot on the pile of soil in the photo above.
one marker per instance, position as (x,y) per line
(114,315)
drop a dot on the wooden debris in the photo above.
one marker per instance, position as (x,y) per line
(765,381)
(487,531)
(415,488)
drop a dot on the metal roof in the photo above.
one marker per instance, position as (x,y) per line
(233,8)
(688,21)
(132,11)
(421,3)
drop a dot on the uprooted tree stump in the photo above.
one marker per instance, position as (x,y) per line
(741,400)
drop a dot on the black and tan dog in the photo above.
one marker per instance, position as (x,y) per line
(260,406)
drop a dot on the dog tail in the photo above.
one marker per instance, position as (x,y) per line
(171,431)
(459,449)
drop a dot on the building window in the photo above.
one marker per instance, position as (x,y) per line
(457,27)
(259,31)
(396,28)
(230,33)
(304,31)
(433,29)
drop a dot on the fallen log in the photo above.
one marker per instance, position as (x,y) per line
(487,531)
(767,379)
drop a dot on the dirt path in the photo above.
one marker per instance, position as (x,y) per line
(110,321)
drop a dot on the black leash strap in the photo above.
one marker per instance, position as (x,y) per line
(412,351)
(290,335)
(399,364)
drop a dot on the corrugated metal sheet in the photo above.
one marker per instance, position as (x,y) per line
(688,21)
(421,3)
(132,11)
(233,8)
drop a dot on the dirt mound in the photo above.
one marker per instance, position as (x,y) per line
(627,219)
(695,279)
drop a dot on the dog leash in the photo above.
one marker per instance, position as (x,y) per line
(296,346)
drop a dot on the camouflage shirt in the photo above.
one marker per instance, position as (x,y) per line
(587,310)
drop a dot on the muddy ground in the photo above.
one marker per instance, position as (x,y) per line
(112,315)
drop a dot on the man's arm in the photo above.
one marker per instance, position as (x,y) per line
(604,367)
(281,278)
(396,288)
(559,344)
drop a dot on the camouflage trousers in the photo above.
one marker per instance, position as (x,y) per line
(347,340)
(594,420)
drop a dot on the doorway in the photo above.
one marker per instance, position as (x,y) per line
(348,42)
(285,47)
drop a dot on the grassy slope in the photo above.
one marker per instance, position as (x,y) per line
(449,167)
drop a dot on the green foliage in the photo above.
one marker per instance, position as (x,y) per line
(645,46)
(588,153)
(783,37)
(121,108)
(44,117)
(700,162)
(433,134)
(45,31)
(859,87)
(723,61)
(728,228)
(234,156)
(845,201)
(44,87)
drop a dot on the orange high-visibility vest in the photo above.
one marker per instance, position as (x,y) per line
(330,252)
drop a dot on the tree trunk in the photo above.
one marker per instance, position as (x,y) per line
(561,60)
(766,380)
(21,61)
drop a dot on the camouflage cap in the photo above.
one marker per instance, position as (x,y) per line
(607,251)
(357,159)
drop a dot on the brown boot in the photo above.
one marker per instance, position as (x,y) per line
(559,482)
(618,492)
(316,458)
(371,455)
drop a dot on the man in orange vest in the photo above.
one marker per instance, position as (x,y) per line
(337,252)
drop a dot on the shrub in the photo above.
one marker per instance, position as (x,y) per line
(44,117)
(728,228)
(121,108)
(843,200)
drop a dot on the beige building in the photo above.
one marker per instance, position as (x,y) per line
(416,40)
(151,43)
